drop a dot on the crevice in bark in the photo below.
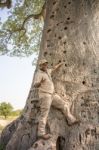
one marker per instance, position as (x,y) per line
(69,3)
(68,18)
(60,143)
(54,3)
(59,37)
(64,42)
(65,28)
(80,138)
(84,43)
(84,82)
(59,61)
(49,30)
(64,52)
(48,45)
(65,65)
(52,16)
(45,53)
(65,6)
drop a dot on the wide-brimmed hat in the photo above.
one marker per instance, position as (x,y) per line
(43,61)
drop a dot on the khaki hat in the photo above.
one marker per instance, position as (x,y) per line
(43,61)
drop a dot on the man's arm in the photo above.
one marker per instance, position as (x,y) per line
(38,84)
(38,80)
(55,68)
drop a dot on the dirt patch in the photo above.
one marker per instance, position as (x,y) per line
(4,122)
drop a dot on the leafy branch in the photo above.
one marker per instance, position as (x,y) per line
(35,16)
(20,35)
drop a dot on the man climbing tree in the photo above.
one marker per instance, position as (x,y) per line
(47,96)
(70,35)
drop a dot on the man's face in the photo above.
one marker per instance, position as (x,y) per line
(44,66)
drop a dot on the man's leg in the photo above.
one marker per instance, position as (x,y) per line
(59,103)
(45,103)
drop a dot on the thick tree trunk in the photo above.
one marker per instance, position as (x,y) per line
(70,35)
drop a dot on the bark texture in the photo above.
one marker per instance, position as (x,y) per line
(70,35)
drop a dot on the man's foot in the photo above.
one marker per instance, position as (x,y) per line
(45,136)
(77,121)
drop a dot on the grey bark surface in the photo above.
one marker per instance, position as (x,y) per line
(70,35)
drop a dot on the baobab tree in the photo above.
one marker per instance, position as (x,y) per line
(70,35)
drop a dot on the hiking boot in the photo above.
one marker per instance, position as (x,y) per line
(77,121)
(45,136)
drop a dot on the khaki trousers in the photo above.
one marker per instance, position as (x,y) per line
(46,100)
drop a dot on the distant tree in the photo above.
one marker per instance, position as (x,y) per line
(5,109)
(16,112)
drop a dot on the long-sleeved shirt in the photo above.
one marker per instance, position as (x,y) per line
(46,81)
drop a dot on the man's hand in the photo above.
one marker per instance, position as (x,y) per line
(37,85)
(57,66)
(42,80)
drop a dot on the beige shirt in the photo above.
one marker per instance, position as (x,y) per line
(46,84)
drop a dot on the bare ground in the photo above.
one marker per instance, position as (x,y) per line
(4,122)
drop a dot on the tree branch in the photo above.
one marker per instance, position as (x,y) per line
(35,16)
(7,4)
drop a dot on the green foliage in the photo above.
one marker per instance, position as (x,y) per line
(16,112)
(16,42)
(2,147)
(5,109)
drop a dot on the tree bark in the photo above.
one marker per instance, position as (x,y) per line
(70,35)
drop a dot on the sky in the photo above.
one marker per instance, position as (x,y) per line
(15,76)
(15,80)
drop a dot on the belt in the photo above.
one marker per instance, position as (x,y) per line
(46,92)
